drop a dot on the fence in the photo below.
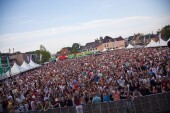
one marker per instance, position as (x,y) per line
(157,103)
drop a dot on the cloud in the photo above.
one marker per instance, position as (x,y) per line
(57,37)
(27,21)
(71,28)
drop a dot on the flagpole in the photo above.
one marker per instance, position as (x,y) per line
(1,68)
(9,68)
(150,39)
(159,43)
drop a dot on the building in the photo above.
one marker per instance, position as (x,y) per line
(65,51)
(19,58)
(107,43)
(138,39)
(104,43)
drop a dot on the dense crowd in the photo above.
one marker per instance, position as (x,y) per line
(111,76)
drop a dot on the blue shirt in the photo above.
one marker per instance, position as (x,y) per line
(106,98)
(96,99)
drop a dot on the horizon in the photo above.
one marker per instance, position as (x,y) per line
(25,25)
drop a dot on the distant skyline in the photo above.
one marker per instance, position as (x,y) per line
(25,24)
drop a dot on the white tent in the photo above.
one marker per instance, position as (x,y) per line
(162,42)
(152,44)
(130,46)
(16,69)
(4,75)
(168,40)
(34,65)
(104,49)
(26,66)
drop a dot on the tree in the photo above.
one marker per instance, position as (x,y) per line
(165,33)
(45,54)
(42,48)
(75,47)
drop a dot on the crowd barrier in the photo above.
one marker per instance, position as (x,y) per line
(156,103)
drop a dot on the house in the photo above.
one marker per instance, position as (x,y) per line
(91,46)
(119,42)
(65,51)
(111,43)
(104,43)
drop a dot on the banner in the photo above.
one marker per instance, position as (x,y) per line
(1,69)
(8,66)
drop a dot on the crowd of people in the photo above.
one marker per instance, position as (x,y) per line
(111,76)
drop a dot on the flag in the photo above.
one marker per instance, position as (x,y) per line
(1,69)
(150,39)
(28,58)
(159,37)
(144,40)
(8,66)
(40,57)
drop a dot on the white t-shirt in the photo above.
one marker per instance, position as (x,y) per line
(121,82)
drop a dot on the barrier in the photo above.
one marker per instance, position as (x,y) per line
(157,103)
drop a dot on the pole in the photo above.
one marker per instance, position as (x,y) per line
(8,66)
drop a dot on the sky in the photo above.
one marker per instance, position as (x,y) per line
(25,24)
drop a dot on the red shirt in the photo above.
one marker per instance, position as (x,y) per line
(76,86)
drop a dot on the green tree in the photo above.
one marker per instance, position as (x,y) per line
(45,54)
(165,33)
(42,48)
(75,47)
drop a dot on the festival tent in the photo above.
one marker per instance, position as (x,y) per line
(79,54)
(162,42)
(129,46)
(168,40)
(104,49)
(53,58)
(34,65)
(89,53)
(152,44)
(71,56)
(16,69)
(26,66)
(4,75)
(62,57)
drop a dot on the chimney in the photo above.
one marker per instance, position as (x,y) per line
(9,50)
(13,50)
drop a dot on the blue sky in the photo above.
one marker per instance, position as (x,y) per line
(25,24)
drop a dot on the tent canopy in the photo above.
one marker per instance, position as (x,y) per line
(130,46)
(26,66)
(157,44)
(162,42)
(16,69)
(89,53)
(71,56)
(104,49)
(34,65)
